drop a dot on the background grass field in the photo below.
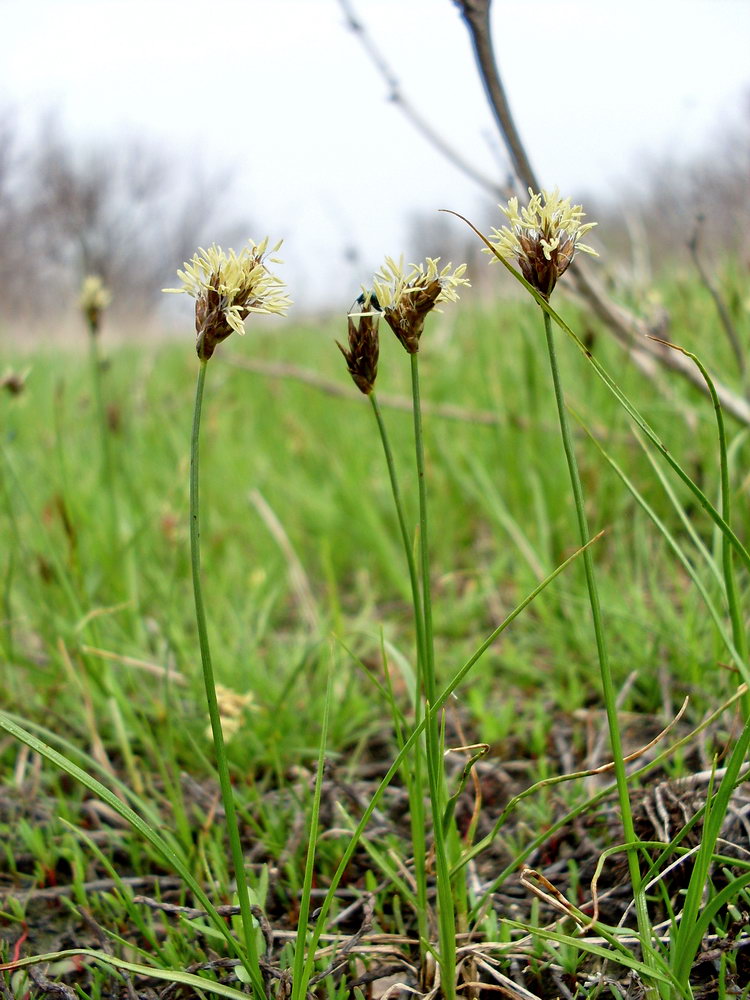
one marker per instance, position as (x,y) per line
(98,635)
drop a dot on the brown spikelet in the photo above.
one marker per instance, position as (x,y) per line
(13,382)
(543,237)
(211,325)
(539,270)
(227,288)
(406,317)
(362,355)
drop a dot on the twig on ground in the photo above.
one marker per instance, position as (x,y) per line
(174,676)
(104,885)
(48,986)
(283,371)
(340,957)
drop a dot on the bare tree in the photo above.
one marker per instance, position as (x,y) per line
(121,208)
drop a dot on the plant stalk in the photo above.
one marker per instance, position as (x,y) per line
(251,962)
(416,811)
(107,472)
(608,688)
(429,645)
(435,773)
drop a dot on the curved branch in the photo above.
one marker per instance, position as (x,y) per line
(476,14)
(397,97)
(631,331)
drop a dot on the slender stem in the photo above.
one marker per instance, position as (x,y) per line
(739,634)
(435,773)
(424,548)
(727,552)
(405,538)
(416,812)
(117,546)
(107,469)
(251,962)
(445,694)
(608,688)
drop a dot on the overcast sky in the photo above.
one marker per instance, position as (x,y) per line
(280,91)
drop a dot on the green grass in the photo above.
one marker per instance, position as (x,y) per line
(501,518)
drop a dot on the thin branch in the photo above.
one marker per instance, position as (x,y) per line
(283,371)
(632,332)
(476,13)
(627,328)
(397,97)
(104,885)
(721,307)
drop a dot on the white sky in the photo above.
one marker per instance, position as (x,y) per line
(280,91)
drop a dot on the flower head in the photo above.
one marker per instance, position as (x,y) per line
(94,298)
(405,299)
(227,287)
(364,347)
(543,237)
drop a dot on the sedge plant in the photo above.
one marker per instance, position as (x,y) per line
(94,299)
(542,239)
(227,287)
(405,298)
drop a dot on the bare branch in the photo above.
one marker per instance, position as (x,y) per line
(397,97)
(447,411)
(627,328)
(476,14)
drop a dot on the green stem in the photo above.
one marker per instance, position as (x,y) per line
(727,551)
(107,479)
(416,812)
(429,646)
(222,765)
(405,538)
(608,688)
(435,773)
(445,694)
(109,486)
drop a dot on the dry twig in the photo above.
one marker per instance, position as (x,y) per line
(331,388)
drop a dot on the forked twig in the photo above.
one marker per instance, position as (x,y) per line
(543,889)
(629,329)
(476,14)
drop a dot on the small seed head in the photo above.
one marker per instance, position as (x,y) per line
(14,383)
(93,299)
(362,354)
